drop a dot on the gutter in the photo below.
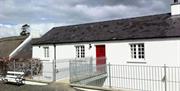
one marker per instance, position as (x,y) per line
(109,40)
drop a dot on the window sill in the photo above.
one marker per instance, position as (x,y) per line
(45,59)
(137,62)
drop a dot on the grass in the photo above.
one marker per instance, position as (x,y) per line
(50,87)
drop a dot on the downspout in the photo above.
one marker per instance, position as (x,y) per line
(20,47)
(54,63)
(54,51)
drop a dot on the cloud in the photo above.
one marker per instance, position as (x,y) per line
(74,11)
(14,30)
(7,30)
(47,13)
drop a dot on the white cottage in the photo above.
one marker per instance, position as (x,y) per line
(146,40)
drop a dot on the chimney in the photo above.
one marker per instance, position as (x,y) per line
(175,8)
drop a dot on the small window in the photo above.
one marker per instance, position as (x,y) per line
(46,52)
(137,51)
(80,52)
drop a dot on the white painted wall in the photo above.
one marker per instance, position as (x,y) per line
(175,9)
(47,63)
(157,52)
(64,51)
(68,51)
(38,52)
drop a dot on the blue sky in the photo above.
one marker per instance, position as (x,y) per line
(42,15)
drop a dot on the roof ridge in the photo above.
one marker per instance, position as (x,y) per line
(12,38)
(88,23)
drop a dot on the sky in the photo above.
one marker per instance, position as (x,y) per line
(42,15)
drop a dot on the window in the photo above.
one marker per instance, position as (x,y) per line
(46,52)
(137,51)
(80,51)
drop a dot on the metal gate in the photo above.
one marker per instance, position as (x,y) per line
(140,77)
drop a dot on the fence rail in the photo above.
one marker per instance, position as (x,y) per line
(85,68)
(139,77)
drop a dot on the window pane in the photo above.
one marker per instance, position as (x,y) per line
(137,50)
(80,51)
(142,56)
(46,52)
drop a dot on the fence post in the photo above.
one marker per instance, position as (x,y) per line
(31,69)
(14,65)
(54,70)
(109,75)
(165,77)
(91,64)
(70,74)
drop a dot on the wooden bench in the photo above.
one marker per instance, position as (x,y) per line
(12,76)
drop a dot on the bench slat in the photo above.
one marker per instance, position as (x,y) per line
(11,76)
(12,72)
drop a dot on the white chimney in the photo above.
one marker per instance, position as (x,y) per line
(175,8)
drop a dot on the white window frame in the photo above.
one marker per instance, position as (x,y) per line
(80,51)
(137,50)
(46,52)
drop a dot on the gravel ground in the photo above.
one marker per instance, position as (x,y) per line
(50,87)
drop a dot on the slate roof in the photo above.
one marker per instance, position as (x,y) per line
(9,44)
(146,27)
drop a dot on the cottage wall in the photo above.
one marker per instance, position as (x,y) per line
(157,52)
(38,52)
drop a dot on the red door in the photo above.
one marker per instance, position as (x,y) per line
(100,54)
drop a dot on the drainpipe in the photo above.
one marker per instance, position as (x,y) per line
(54,64)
